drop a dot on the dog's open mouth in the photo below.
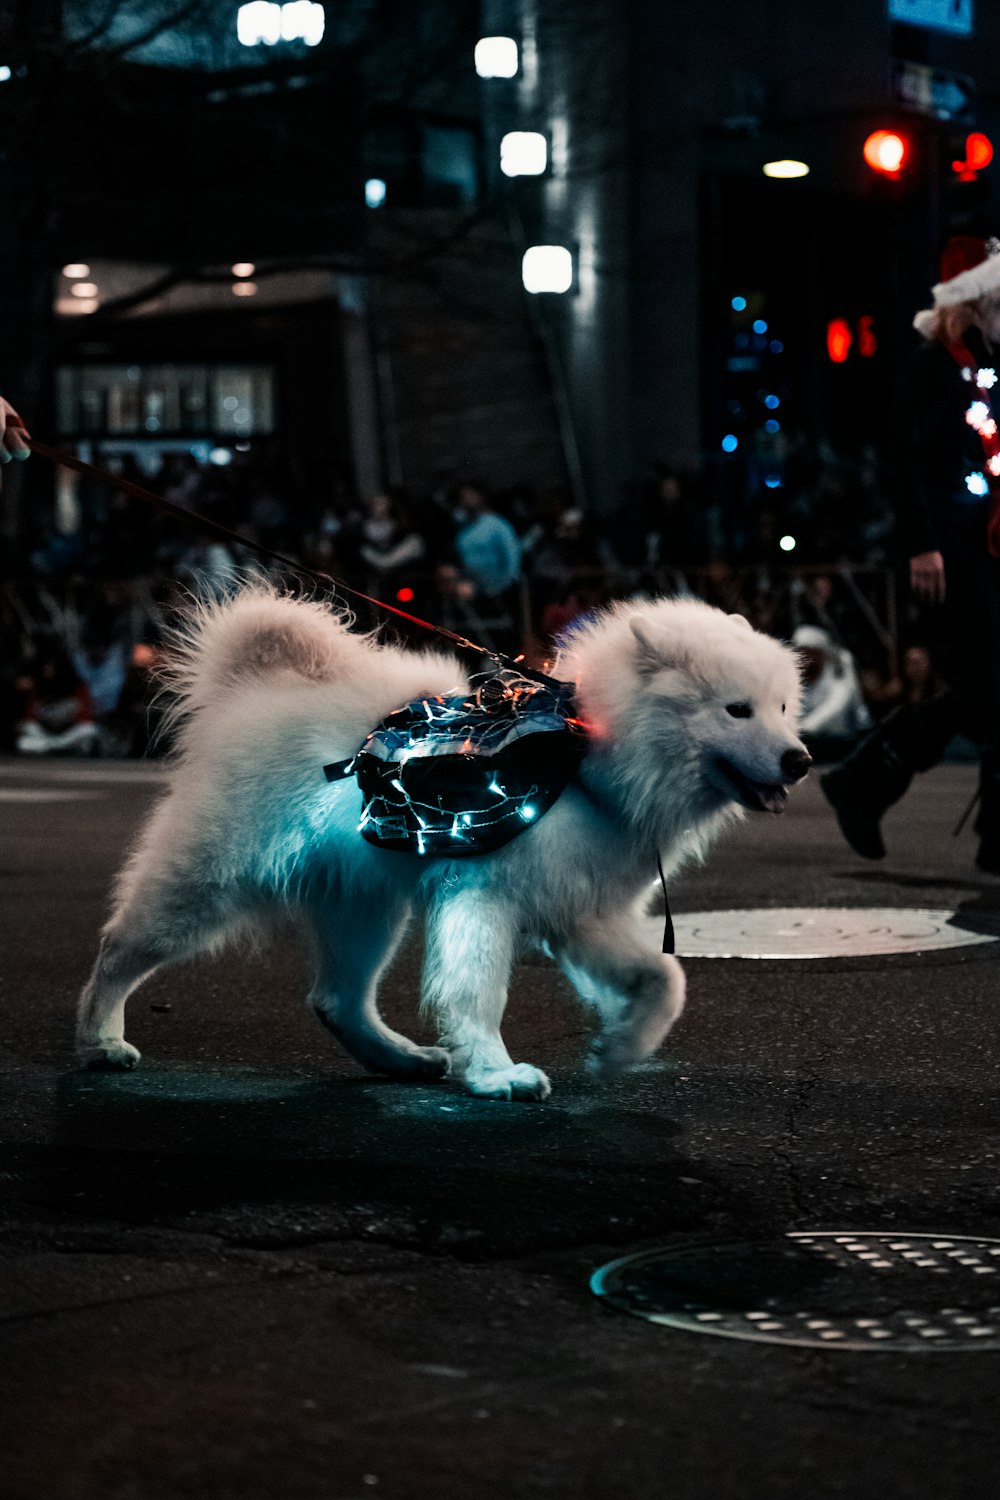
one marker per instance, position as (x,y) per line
(760,796)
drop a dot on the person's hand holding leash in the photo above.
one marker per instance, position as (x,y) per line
(927,577)
(12,434)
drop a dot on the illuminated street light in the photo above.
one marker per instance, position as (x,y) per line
(303,20)
(243,268)
(885,152)
(523,153)
(264,22)
(75,270)
(786,168)
(496,57)
(547,268)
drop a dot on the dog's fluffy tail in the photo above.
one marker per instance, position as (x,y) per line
(219,646)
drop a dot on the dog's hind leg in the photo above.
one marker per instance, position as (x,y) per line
(160,923)
(355,944)
(637,990)
(470,946)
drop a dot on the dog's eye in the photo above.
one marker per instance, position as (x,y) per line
(739,710)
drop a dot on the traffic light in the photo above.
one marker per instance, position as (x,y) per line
(839,339)
(885,151)
(978,153)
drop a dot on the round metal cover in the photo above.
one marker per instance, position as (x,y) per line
(830,1290)
(820,932)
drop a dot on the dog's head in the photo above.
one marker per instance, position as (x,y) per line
(697,710)
(729,695)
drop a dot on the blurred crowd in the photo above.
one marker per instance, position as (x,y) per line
(85,611)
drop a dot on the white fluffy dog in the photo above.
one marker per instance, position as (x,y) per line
(692,716)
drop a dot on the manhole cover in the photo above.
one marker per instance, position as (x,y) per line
(820,932)
(845,1291)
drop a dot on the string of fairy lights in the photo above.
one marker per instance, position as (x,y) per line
(456,775)
(979,415)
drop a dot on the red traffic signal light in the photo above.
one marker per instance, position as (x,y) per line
(885,152)
(978,154)
(839,339)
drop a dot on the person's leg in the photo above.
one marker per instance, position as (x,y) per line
(972,623)
(875,775)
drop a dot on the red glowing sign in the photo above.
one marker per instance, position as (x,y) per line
(839,339)
(978,154)
(885,152)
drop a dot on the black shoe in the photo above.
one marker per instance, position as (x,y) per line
(861,789)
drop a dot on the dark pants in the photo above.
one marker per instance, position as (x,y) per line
(970,619)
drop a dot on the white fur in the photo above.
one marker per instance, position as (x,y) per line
(270,689)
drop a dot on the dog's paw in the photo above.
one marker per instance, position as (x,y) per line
(114,1056)
(429,1062)
(605,1064)
(519,1081)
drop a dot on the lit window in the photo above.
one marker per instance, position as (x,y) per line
(523,153)
(496,57)
(547,268)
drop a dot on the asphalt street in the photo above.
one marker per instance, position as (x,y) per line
(247,1270)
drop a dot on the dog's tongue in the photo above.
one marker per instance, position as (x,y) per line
(772,798)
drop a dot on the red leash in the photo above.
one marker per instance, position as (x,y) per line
(215,528)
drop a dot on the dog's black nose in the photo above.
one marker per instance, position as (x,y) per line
(795,764)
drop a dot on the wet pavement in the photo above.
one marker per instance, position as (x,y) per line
(248,1270)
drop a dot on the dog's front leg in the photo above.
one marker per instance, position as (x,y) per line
(470,949)
(637,991)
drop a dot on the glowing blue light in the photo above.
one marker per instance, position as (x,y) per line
(759,326)
(730,443)
(527,812)
(976,484)
(497,790)
(738,304)
(777,347)
(773,481)
(772,426)
(375,191)
(5,73)
(421,848)
(772,403)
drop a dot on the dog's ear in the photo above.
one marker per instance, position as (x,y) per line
(741,620)
(651,655)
